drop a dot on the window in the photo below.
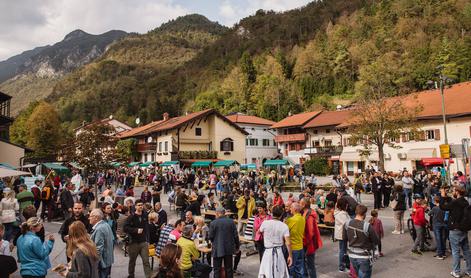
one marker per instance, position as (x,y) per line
(247,142)
(160,147)
(265,142)
(314,131)
(152,156)
(166,146)
(316,143)
(328,143)
(274,143)
(430,134)
(198,131)
(254,160)
(227,145)
(253,142)
(327,131)
(145,157)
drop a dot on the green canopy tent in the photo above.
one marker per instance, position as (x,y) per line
(225,163)
(202,164)
(115,164)
(169,163)
(75,165)
(132,164)
(275,162)
(146,164)
(248,166)
(58,168)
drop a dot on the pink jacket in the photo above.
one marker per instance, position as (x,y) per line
(378,228)
(256,225)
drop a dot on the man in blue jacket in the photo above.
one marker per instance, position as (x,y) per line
(102,235)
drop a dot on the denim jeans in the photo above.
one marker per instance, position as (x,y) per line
(408,194)
(420,239)
(297,268)
(104,272)
(362,267)
(343,258)
(440,238)
(310,265)
(459,241)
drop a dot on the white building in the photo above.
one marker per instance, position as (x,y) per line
(260,141)
(117,126)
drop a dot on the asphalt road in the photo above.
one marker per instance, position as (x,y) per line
(397,261)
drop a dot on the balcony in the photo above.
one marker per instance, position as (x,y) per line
(297,137)
(195,155)
(147,147)
(323,151)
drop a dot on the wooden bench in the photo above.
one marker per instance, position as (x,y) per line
(330,228)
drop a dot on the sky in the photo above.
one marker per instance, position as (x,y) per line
(26,24)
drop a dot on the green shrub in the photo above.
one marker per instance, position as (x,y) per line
(317,166)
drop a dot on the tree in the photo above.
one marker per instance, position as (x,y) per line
(19,132)
(93,148)
(379,118)
(126,149)
(43,130)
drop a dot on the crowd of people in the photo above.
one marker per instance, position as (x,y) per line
(218,211)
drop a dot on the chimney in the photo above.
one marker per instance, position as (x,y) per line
(165,116)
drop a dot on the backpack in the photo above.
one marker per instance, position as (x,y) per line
(465,223)
(46,193)
(36,193)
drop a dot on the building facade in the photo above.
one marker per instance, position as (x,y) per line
(260,142)
(291,136)
(203,135)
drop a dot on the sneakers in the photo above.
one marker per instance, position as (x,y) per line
(440,257)
(238,273)
(381,254)
(402,231)
(417,252)
(454,274)
(344,270)
(396,233)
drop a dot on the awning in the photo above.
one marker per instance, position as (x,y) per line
(356,156)
(132,164)
(58,168)
(7,166)
(248,166)
(225,163)
(146,164)
(4,172)
(169,163)
(75,165)
(115,164)
(431,161)
(201,164)
(418,154)
(275,162)
(29,166)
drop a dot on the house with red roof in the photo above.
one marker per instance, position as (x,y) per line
(291,136)
(203,135)
(260,142)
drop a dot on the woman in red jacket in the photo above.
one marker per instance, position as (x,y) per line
(278,200)
(312,237)
(420,223)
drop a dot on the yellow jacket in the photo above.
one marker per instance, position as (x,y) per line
(189,253)
(241,206)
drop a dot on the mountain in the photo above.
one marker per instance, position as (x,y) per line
(32,74)
(272,64)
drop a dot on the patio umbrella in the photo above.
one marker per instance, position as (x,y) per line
(4,172)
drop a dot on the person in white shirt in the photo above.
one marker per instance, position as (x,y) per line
(407,185)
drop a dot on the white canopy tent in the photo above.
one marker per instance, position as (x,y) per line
(11,173)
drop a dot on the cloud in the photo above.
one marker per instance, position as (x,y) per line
(27,24)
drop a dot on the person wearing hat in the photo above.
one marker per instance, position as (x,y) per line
(36,190)
(190,254)
(245,205)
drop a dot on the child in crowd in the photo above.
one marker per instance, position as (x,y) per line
(378,228)
(4,244)
(420,223)
(437,217)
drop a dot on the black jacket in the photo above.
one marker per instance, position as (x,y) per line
(132,224)
(64,230)
(376,183)
(67,201)
(223,234)
(400,197)
(456,208)
(162,221)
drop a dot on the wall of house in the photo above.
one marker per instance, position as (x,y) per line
(11,154)
(322,135)
(457,129)
(219,130)
(161,154)
(256,153)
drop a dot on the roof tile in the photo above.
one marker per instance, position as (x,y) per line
(296,120)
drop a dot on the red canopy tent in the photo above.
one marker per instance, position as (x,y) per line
(432,161)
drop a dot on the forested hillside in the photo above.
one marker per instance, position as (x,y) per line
(271,64)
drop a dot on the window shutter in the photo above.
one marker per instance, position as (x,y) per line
(398,140)
(437,134)
(232,146)
(470,131)
(423,135)
(404,137)
(345,142)
(221,144)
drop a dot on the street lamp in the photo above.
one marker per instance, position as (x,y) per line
(442,81)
